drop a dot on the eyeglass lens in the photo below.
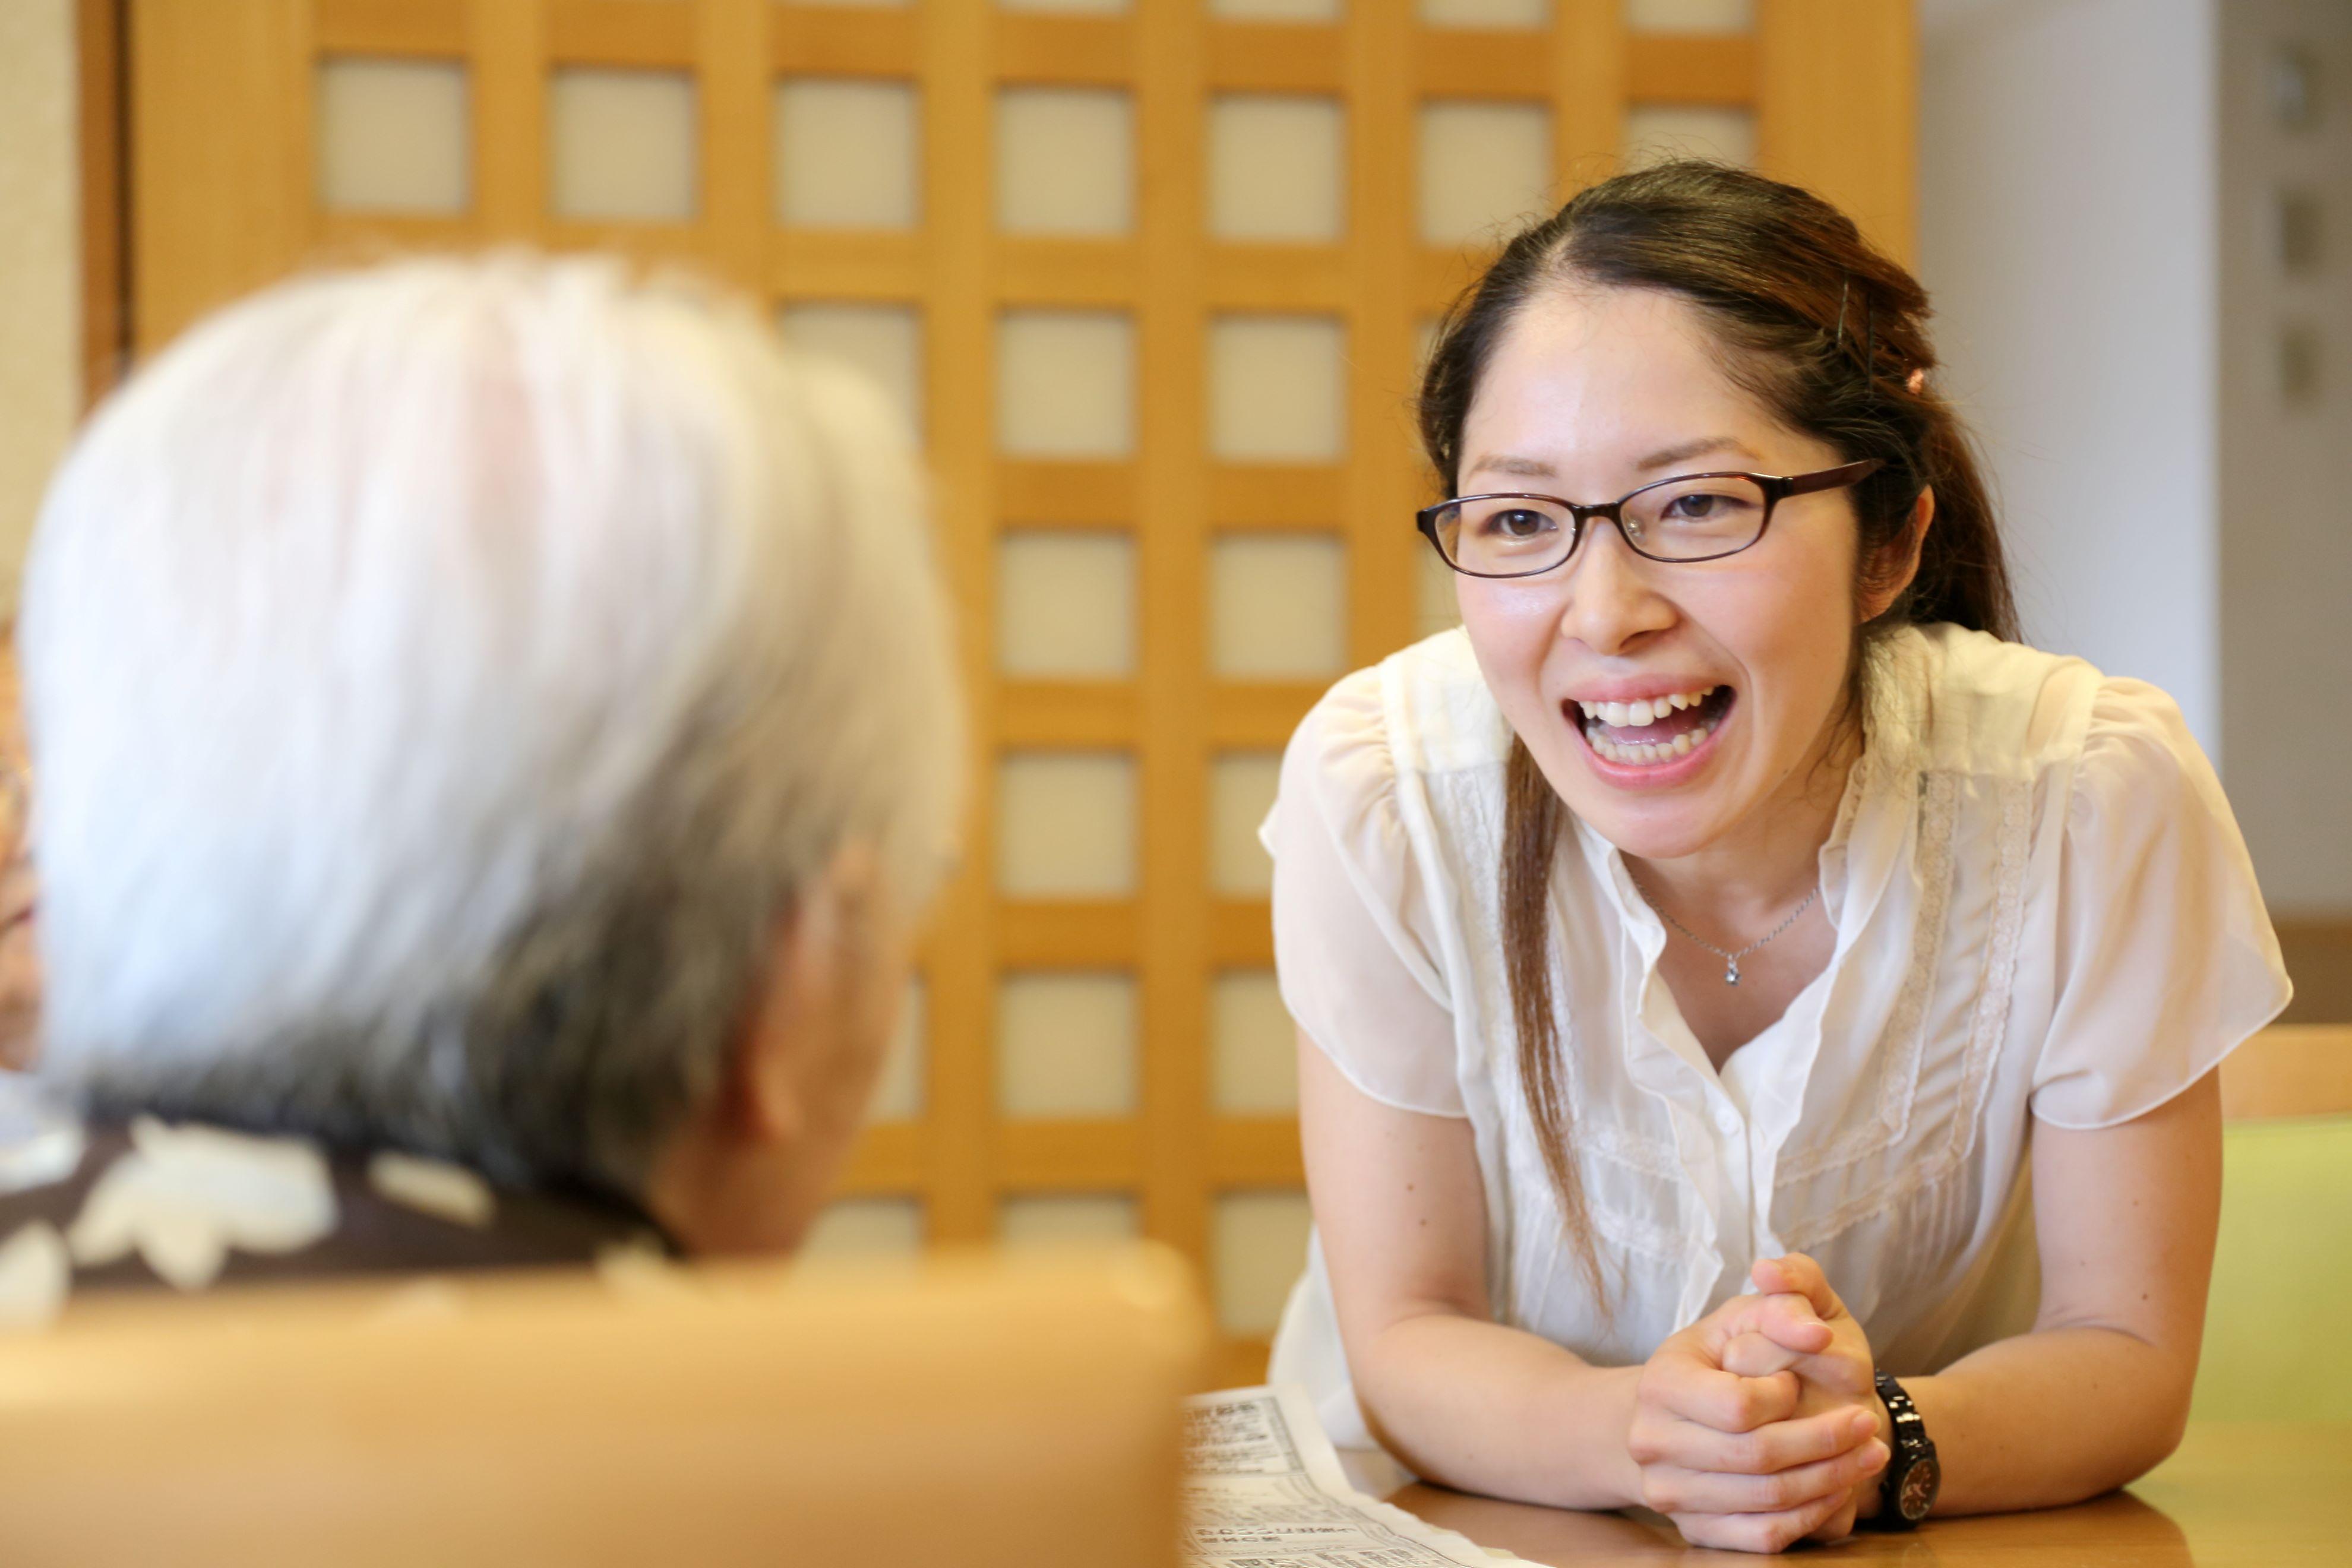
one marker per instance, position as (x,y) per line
(1686,519)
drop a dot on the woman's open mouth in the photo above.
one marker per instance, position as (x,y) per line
(1655,731)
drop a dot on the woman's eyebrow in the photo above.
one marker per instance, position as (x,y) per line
(1682,451)
(1527,467)
(1686,450)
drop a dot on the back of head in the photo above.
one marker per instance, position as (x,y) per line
(442,678)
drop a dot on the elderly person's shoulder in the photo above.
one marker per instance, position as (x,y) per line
(90,1209)
(487,783)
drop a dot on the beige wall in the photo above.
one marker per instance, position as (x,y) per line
(40,309)
(2286,525)
(2066,231)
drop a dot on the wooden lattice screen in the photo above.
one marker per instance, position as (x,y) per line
(1153,282)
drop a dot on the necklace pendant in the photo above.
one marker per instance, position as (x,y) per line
(1731,973)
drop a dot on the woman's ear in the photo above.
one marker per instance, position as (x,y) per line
(1898,560)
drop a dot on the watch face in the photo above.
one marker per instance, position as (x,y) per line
(1916,1494)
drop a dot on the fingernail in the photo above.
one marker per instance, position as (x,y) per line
(1879,1454)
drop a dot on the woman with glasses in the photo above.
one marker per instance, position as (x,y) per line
(1761,1017)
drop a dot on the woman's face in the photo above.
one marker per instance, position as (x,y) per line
(1591,393)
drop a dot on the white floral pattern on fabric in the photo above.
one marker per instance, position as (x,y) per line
(434,1187)
(34,1275)
(40,1143)
(183,1196)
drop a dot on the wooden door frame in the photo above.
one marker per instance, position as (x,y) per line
(104,106)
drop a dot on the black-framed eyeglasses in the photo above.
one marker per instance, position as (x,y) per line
(1691,517)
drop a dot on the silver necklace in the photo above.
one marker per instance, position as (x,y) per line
(1730,958)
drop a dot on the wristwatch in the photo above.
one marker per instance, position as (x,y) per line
(1907,1489)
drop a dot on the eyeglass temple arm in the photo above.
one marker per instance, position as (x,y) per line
(1832,478)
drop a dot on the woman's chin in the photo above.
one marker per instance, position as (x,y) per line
(1662,824)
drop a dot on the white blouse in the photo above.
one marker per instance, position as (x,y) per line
(2043,905)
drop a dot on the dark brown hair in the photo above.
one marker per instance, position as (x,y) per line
(1829,333)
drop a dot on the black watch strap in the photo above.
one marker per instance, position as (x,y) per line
(1907,1489)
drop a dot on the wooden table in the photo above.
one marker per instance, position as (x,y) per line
(2260,1495)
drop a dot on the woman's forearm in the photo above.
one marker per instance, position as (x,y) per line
(1489,1409)
(2051,1417)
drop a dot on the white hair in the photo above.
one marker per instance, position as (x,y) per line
(441,679)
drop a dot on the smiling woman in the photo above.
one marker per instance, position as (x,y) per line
(1704,946)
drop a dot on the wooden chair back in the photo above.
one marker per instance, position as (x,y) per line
(971,1412)
(2290,1069)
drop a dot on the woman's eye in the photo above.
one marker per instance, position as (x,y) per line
(1519,524)
(1697,507)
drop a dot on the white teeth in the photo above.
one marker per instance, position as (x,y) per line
(1634,714)
(1682,745)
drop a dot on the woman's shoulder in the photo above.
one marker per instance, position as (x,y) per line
(1423,708)
(1967,702)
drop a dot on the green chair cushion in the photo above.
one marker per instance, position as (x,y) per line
(2278,1336)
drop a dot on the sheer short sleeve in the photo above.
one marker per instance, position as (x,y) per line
(2167,960)
(1350,934)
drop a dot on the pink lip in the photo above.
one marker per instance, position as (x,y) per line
(1644,775)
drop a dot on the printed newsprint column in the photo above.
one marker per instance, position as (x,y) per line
(1264,1489)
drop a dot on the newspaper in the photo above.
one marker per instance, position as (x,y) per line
(1263,1489)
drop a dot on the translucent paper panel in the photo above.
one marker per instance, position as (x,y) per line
(1424,344)
(1065,161)
(1485,168)
(1690,15)
(1277,168)
(1436,608)
(898,1093)
(845,154)
(392,136)
(1066,1045)
(882,341)
(1065,826)
(1276,389)
(1067,7)
(1276,10)
(861,4)
(1081,1219)
(1253,1048)
(1258,1242)
(1241,788)
(1278,606)
(866,1228)
(1066,605)
(1660,130)
(622,144)
(1485,13)
(1066,383)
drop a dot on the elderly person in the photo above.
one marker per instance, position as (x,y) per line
(495,727)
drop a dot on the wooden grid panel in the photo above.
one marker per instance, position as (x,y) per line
(223,201)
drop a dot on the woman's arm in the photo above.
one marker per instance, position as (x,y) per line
(1469,1403)
(2097,1393)
(1459,1398)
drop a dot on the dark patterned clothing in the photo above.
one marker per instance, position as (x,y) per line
(146,1205)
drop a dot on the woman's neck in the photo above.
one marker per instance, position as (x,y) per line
(1749,877)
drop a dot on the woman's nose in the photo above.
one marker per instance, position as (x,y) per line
(1611,604)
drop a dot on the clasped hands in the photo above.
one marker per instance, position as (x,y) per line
(1760,1425)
